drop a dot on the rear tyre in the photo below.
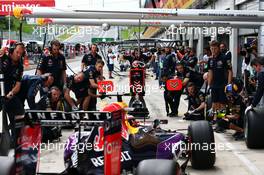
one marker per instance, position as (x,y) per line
(201,145)
(254,129)
(158,167)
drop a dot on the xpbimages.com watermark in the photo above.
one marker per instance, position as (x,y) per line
(168,147)
(147,89)
(56,146)
(181,146)
(62,29)
(212,31)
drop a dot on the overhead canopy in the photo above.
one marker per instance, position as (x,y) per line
(147,13)
(160,23)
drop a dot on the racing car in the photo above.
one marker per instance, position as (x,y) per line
(119,143)
(143,141)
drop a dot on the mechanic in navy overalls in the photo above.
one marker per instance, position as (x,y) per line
(12,68)
(31,85)
(79,86)
(169,63)
(55,64)
(196,103)
(90,58)
(258,66)
(234,111)
(194,76)
(219,75)
(93,73)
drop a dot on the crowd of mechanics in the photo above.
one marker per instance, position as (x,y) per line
(212,92)
(208,77)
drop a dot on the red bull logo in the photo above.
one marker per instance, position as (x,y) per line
(105,86)
(174,85)
(99,140)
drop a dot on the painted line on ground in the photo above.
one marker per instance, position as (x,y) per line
(252,168)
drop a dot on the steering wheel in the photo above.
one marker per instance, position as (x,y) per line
(138,64)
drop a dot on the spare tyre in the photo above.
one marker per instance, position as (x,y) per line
(254,129)
(201,145)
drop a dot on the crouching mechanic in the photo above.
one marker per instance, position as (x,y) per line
(79,86)
(196,103)
(234,116)
(51,101)
(31,85)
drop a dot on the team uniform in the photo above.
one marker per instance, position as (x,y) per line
(12,74)
(237,107)
(79,89)
(193,103)
(93,74)
(219,66)
(195,77)
(90,59)
(260,88)
(169,64)
(30,86)
(55,66)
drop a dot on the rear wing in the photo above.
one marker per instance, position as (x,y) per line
(110,121)
(51,118)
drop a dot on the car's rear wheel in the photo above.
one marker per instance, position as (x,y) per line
(201,145)
(158,167)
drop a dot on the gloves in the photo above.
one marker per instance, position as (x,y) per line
(249,108)
(192,111)
(75,108)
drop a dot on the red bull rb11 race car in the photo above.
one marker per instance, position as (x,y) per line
(111,142)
